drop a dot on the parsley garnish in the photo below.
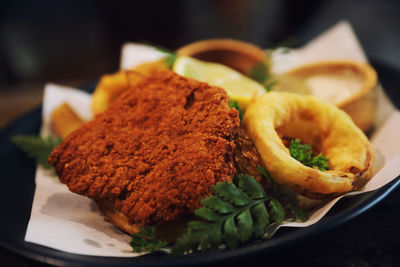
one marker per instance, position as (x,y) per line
(296,211)
(234,104)
(261,73)
(37,147)
(171,56)
(303,153)
(233,215)
(146,240)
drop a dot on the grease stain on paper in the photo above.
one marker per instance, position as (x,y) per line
(79,209)
(92,243)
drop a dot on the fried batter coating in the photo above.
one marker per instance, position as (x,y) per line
(349,151)
(111,86)
(156,151)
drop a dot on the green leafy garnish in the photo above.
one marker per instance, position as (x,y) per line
(296,211)
(277,210)
(233,215)
(37,147)
(299,213)
(303,153)
(145,240)
(171,56)
(261,73)
(234,104)
(266,175)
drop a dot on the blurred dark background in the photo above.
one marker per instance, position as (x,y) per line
(74,42)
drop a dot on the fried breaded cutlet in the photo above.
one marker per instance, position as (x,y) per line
(155,152)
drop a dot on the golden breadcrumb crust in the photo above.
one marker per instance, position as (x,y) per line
(156,151)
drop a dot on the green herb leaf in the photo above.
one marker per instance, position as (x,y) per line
(269,85)
(232,215)
(231,232)
(37,147)
(297,211)
(234,104)
(171,56)
(245,225)
(261,170)
(261,73)
(218,204)
(278,213)
(303,153)
(250,186)
(199,235)
(261,219)
(146,240)
(321,162)
(229,192)
(207,214)
(293,207)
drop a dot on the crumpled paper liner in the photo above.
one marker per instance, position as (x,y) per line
(65,221)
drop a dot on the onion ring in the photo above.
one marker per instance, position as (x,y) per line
(268,119)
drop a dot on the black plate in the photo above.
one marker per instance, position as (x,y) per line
(17,188)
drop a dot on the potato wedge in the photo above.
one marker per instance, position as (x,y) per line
(64,120)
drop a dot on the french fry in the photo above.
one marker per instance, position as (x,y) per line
(64,120)
(109,87)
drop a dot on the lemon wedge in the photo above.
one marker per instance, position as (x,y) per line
(238,86)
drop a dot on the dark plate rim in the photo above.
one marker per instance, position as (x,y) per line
(60,258)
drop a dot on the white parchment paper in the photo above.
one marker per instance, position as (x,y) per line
(72,223)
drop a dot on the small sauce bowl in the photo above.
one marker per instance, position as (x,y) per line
(235,54)
(349,85)
(360,101)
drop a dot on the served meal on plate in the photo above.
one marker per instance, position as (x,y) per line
(191,153)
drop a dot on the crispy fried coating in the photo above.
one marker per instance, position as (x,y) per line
(111,86)
(349,152)
(156,151)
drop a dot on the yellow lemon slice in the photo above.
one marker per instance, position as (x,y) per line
(238,86)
